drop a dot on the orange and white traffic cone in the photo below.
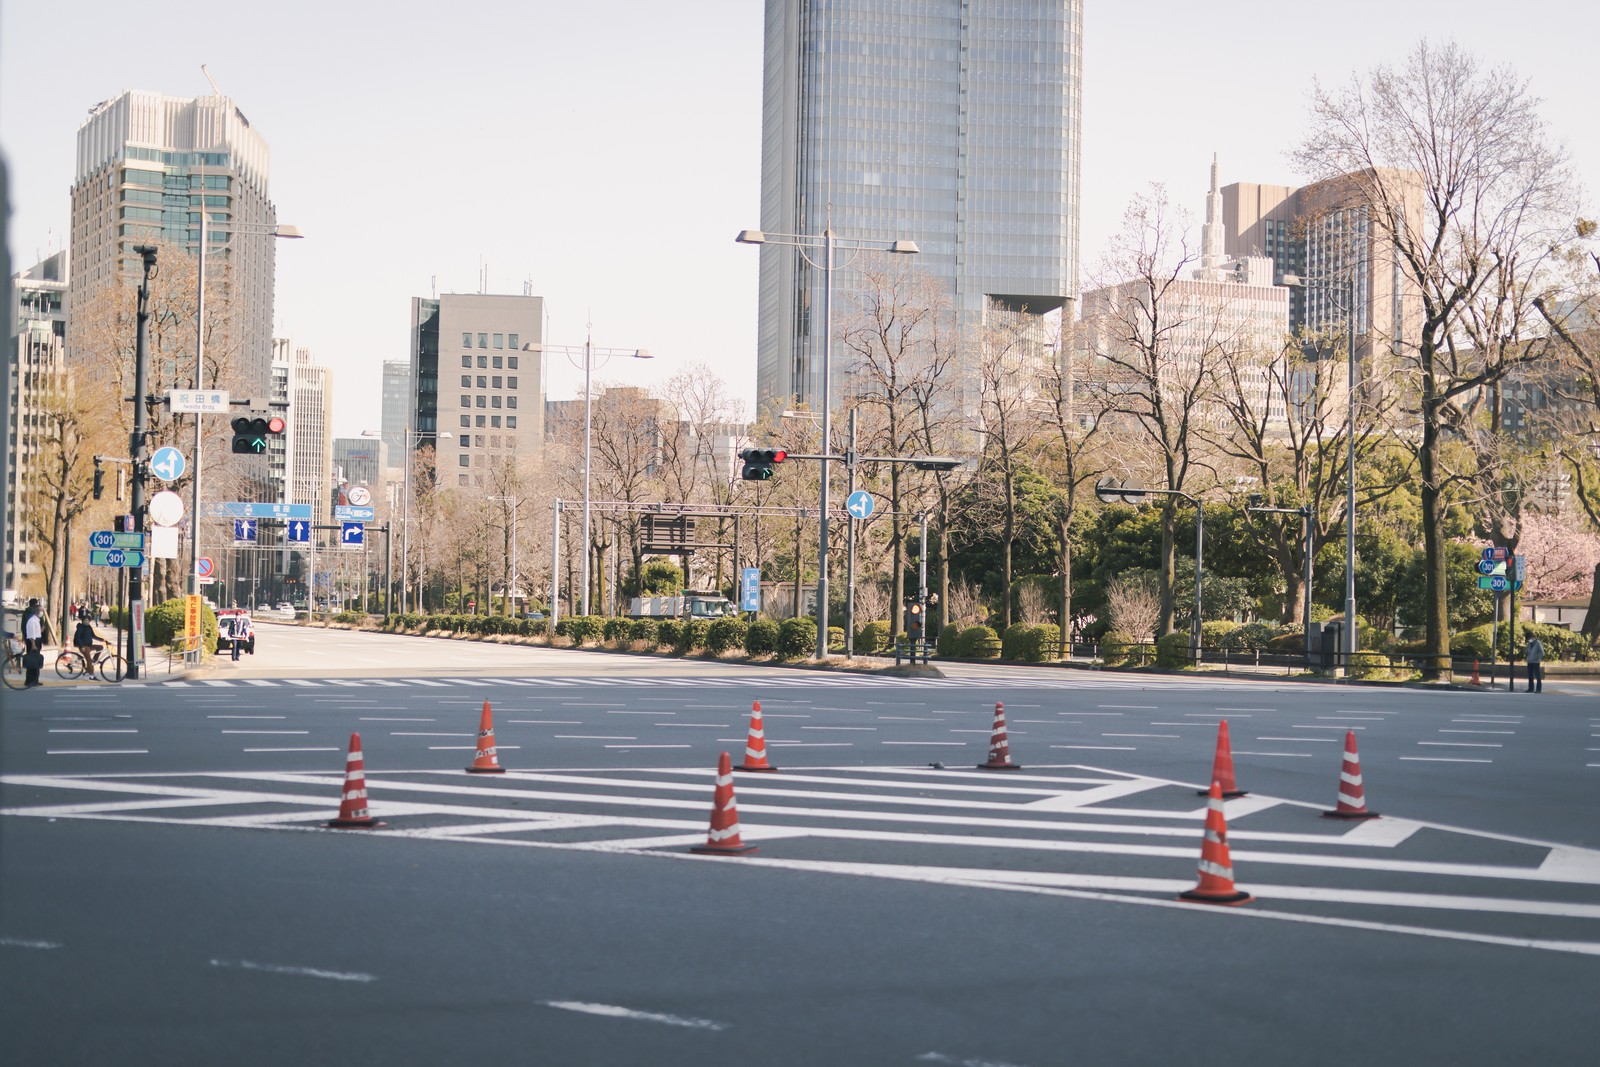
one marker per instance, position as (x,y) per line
(1352,797)
(1222,765)
(999,745)
(353,800)
(755,746)
(1216,867)
(723,840)
(1475,680)
(487,760)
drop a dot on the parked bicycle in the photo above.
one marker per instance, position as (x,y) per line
(14,674)
(106,665)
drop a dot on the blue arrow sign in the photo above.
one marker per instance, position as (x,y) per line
(244,529)
(113,539)
(299,530)
(351,513)
(168,463)
(353,535)
(859,504)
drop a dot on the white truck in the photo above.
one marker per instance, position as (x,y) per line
(686,605)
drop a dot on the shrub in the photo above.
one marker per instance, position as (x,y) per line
(617,631)
(1558,641)
(692,634)
(1042,644)
(872,637)
(581,628)
(726,635)
(1172,651)
(761,638)
(797,638)
(978,642)
(644,630)
(1293,641)
(949,641)
(351,618)
(163,624)
(1119,648)
(1013,639)
(533,627)
(668,633)
(836,639)
(1370,665)
(1214,634)
(1250,635)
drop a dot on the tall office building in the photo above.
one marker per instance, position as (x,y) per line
(36,354)
(473,380)
(951,123)
(397,407)
(147,166)
(311,436)
(356,462)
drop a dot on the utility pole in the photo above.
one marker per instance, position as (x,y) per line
(136,452)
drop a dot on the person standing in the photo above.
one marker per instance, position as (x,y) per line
(33,635)
(1534,655)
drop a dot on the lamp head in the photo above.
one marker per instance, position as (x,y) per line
(751,237)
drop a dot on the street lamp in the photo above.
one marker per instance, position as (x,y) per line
(412,437)
(589,352)
(286,232)
(1349,285)
(827,240)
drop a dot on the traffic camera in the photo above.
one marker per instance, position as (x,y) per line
(759,463)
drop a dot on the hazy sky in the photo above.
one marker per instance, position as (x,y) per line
(607,151)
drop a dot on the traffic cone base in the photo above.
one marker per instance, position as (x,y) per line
(1351,815)
(487,758)
(755,746)
(723,838)
(1222,766)
(1232,900)
(999,744)
(368,823)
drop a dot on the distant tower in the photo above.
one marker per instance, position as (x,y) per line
(1213,235)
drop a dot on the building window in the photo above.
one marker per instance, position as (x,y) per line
(494,440)
(511,382)
(466,440)
(499,340)
(480,420)
(466,361)
(494,420)
(466,381)
(465,461)
(511,401)
(461,479)
(483,381)
(477,461)
(483,361)
(511,362)
(512,339)
(494,401)
(466,401)
(511,422)
(483,340)
(466,340)
(466,420)
(497,362)
(481,401)
(497,381)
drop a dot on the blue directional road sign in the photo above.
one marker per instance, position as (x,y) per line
(354,535)
(168,464)
(859,504)
(259,511)
(750,589)
(351,513)
(1489,566)
(244,530)
(299,530)
(112,539)
(1496,554)
(116,557)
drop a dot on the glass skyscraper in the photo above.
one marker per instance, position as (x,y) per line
(951,123)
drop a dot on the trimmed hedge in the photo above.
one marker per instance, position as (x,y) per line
(581,628)
(1119,649)
(1558,641)
(797,638)
(978,642)
(668,633)
(872,637)
(617,631)
(644,630)
(836,639)
(1172,651)
(761,638)
(163,624)
(692,634)
(948,642)
(726,635)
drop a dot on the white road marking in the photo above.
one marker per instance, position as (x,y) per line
(419,733)
(1249,752)
(1134,707)
(937,744)
(247,717)
(1169,737)
(708,725)
(615,1012)
(298,972)
(548,722)
(1443,759)
(331,748)
(1509,732)
(1463,744)
(21,942)
(468,748)
(631,747)
(1295,727)
(88,730)
(97,752)
(1101,748)
(593,737)
(374,718)
(1303,740)
(868,728)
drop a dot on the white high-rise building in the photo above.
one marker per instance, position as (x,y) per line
(36,353)
(147,166)
(951,123)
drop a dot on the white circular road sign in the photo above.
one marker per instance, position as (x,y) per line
(166,508)
(360,496)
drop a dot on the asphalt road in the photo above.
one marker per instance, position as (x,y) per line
(168,893)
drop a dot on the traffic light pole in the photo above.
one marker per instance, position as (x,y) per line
(136,453)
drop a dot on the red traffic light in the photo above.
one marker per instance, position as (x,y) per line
(275,425)
(779,456)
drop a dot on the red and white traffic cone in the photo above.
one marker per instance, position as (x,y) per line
(1222,765)
(1216,867)
(723,840)
(353,799)
(999,744)
(487,759)
(1352,797)
(755,746)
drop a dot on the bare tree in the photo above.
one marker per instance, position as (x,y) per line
(1133,602)
(1460,179)
(1070,451)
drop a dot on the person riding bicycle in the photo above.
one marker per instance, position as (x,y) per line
(84,639)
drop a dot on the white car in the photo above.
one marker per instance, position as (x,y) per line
(285,608)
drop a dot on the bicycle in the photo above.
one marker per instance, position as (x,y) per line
(71,665)
(14,674)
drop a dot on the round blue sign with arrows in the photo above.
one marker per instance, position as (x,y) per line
(859,504)
(168,464)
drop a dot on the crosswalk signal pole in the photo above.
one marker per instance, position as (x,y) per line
(141,428)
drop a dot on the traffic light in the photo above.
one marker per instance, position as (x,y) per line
(914,621)
(250,433)
(99,481)
(758,463)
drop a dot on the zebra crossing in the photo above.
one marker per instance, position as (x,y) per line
(1065,830)
(1057,679)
